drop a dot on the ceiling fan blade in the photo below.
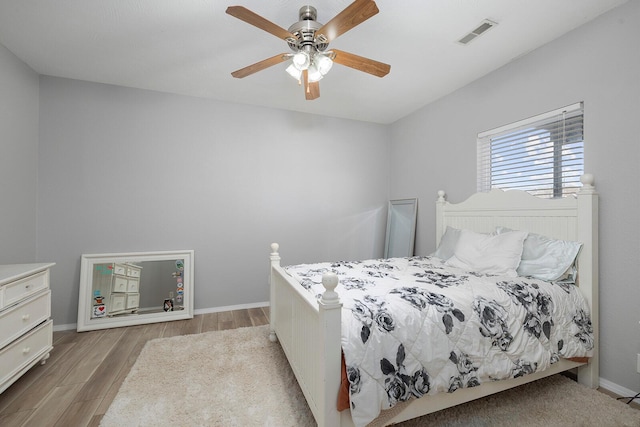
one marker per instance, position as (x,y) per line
(311,89)
(354,14)
(256,20)
(259,66)
(361,63)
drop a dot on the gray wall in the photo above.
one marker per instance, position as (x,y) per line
(18,159)
(435,148)
(126,170)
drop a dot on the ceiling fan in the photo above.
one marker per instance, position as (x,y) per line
(309,40)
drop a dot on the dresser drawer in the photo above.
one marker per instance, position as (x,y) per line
(24,288)
(119,269)
(133,272)
(119,284)
(20,318)
(133,301)
(117,302)
(19,354)
(133,285)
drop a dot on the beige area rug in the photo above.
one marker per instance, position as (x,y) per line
(240,378)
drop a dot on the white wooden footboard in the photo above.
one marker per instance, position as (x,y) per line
(310,334)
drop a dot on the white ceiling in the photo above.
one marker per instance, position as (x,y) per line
(190,47)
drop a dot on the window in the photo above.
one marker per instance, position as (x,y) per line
(543,155)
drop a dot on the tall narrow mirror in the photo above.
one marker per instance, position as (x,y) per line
(401,228)
(134,288)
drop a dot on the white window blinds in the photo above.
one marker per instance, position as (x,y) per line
(543,155)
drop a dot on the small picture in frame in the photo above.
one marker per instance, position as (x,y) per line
(99,310)
(168,305)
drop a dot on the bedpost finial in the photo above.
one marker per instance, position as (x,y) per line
(441,195)
(275,256)
(330,281)
(587,181)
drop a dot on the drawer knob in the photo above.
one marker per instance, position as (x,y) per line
(26,350)
(25,317)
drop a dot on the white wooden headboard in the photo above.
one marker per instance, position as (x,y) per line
(571,218)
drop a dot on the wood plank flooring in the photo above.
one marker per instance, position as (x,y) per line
(81,378)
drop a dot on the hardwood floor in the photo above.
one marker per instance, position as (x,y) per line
(79,381)
(81,378)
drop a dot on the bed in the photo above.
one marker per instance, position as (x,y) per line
(308,326)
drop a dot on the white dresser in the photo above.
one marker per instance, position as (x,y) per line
(26,330)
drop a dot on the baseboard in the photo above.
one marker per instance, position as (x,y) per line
(66,327)
(231,307)
(69,326)
(615,388)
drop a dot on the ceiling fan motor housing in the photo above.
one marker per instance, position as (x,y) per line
(305,31)
(307,13)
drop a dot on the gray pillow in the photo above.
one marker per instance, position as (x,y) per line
(447,245)
(547,259)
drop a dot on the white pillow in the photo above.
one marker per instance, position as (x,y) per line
(545,258)
(497,254)
(447,243)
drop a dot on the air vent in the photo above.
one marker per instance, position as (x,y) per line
(485,26)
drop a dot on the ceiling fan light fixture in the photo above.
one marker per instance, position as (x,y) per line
(323,63)
(301,60)
(314,73)
(294,72)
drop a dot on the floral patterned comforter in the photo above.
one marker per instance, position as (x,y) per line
(415,326)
